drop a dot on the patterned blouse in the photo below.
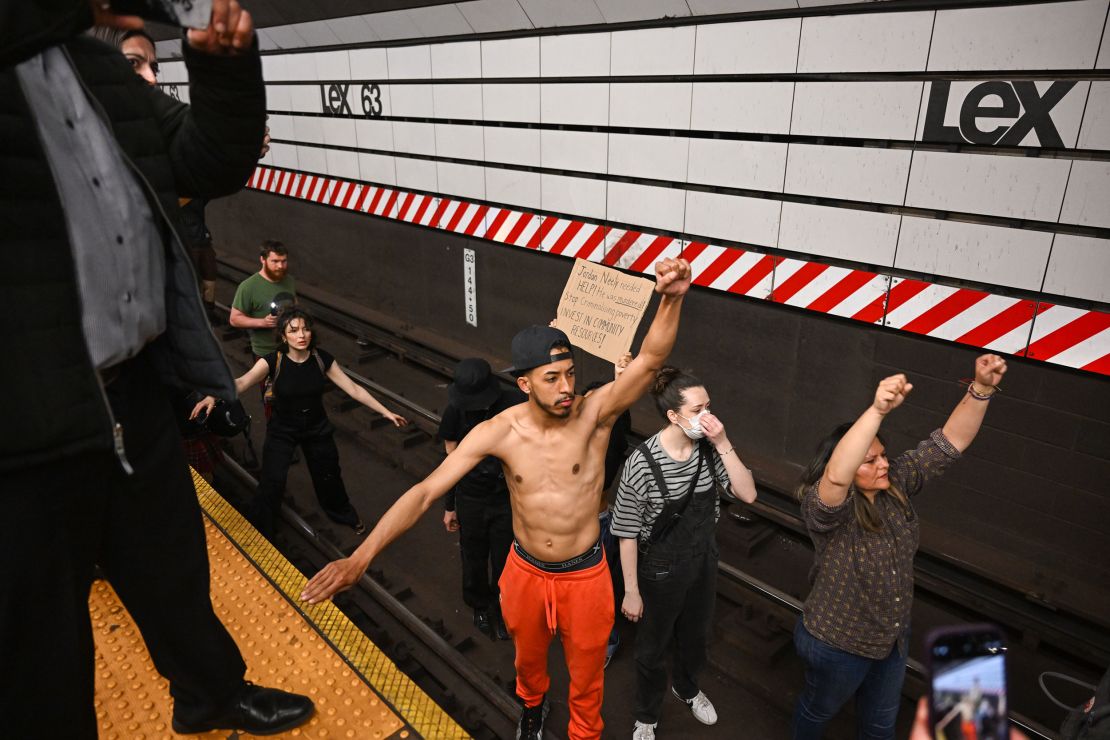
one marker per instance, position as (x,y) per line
(863,581)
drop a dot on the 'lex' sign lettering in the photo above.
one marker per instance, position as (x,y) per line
(990,103)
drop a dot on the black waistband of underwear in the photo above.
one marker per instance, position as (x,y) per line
(586,560)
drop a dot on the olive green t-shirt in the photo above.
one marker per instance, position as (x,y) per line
(257,297)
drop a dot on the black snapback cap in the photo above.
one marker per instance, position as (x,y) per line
(532,348)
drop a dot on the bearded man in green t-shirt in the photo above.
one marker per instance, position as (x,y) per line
(260,298)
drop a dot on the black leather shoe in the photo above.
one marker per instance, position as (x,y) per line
(499,628)
(256,710)
(481,621)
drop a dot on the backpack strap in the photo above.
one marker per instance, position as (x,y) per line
(277,369)
(320,363)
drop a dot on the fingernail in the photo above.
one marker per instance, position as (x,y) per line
(220,28)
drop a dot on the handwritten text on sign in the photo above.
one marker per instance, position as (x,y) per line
(601,308)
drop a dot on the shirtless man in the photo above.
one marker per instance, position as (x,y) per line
(553,450)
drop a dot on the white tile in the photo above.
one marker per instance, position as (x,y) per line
(265,43)
(275,68)
(507,102)
(1088,197)
(458,101)
(1095,133)
(414,138)
(712,7)
(841,233)
(279,97)
(374,134)
(171,48)
(490,16)
(654,51)
(850,173)
(417,174)
(754,107)
(993,254)
(308,129)
(866,42)
(302,67)
(753,165)
(994,107)
(342,164)
(393,25)
(284,155)
(513,187)
(281,127)
(463,180)
(312,159)
(176,72)
(750,47)
(304,98)
(575,103)
(369,64)
(412,100)
(352,29)
(377,168)
(440,20)
(459,142)
(655,157)
(1045,36)
(1103,61)
(864,110)
(583,151)
(546,13)
(333,65)
(315,33)
(650,104)
(462,59)
(731,217)
(1019,187)
(646,207)
(512,145)
(339,132)
(511,57)
(409,62)
(623,11)
(1079,268)
(574,55)
(285,37)
(574,195)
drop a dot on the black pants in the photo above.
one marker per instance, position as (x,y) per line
(315,435)
(679,593)
(146,532)
(485,536)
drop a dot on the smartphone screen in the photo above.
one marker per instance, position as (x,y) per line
(969,684)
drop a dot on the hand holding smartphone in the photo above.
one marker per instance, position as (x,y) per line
(967,697)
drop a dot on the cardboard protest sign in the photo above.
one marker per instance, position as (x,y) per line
(601,308)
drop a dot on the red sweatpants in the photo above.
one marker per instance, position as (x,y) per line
(579,605)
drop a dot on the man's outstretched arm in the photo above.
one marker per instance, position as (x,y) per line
(340,575)
(672,280)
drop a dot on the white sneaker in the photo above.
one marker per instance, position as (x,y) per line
(700,706)
(643,731)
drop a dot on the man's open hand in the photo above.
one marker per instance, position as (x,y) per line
(672,277)
(336,576)
(229,31)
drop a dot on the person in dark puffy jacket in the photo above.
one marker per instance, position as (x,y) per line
(106,315)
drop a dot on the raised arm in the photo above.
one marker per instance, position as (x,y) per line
(964,422)
(672,280)
(340,575)
(254,376)
(852,449)
(360,394)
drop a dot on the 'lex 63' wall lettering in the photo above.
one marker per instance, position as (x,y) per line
(1001,113)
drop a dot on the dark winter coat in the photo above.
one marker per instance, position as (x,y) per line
(53,400)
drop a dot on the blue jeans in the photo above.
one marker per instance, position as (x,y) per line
(834,676)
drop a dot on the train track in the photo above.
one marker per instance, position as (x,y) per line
(757,600)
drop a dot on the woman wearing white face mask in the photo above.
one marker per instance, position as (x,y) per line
(666,514)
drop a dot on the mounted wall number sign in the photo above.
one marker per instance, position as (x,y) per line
(470,287)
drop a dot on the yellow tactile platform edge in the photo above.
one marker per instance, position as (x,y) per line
(418,709)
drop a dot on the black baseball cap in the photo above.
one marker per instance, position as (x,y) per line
(532,348)
(475,386)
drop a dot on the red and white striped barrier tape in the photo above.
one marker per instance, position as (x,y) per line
(1062,335)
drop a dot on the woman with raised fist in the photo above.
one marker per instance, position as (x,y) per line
(858,508)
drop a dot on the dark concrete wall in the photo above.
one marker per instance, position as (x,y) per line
(1033,495)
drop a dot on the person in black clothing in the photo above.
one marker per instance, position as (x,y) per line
(478,508)
(299,373)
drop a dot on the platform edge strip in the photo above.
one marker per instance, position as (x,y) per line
(383,676)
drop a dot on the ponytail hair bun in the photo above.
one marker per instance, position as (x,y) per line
(670,386)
